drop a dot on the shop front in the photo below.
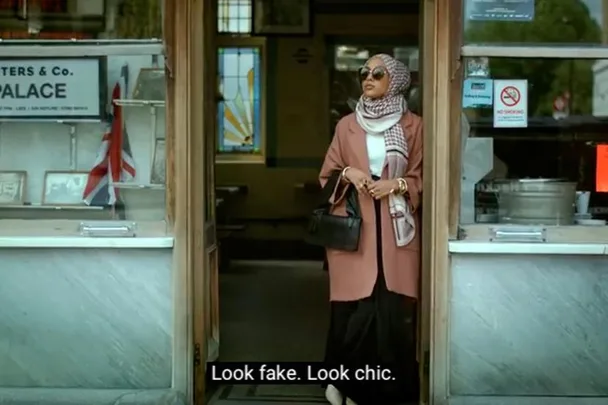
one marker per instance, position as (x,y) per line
(95,243)
(107,216)
(519,304)
(109,277)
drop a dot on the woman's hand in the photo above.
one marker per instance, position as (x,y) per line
(382,188)
(360,180)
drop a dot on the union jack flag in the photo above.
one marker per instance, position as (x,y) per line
(114,162)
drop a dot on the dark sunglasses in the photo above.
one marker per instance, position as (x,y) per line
(377,73)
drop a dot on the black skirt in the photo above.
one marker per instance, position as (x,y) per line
(377,331)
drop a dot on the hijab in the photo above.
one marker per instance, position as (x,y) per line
(383,116)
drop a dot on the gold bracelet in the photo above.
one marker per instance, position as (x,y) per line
(402,186)
(343,175)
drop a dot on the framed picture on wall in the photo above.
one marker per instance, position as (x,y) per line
(282,17)
(64,188)
(12,187)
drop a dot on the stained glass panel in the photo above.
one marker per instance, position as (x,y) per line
(234,16)
(239,113)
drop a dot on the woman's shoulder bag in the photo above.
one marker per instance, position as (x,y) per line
(335,231)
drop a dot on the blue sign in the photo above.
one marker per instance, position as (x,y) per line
(477,93)
(500,10)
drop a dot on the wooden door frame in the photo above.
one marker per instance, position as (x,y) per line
(184,42)
(439,83)
(426,63)
(187,41)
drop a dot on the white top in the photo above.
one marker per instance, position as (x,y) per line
(375,128)
(376,152)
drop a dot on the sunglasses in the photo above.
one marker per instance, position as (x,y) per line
(377,73)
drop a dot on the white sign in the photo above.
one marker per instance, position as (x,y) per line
(50,89)
(510,103)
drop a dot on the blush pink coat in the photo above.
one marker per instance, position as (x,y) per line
(353,274)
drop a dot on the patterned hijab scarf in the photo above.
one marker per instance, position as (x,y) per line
(383,115)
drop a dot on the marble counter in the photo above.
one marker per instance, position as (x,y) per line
(530,326)
(85,318)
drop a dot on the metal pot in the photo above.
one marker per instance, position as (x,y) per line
(536,202)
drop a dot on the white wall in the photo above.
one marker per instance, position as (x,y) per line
(37,147)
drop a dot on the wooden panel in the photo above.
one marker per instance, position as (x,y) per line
(427,63)
(182,342)
(211,92)
(436,180)
(197,165)
(456,76)
(188,178)
(215,300)
(213,326)
(169,40)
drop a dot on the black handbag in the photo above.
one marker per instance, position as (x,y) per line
(335,231)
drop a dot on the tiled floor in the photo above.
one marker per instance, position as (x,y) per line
(272,312)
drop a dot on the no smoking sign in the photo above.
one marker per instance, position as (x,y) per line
(511,103)
(510,96)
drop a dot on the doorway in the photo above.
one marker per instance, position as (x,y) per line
(256,306)
(272,311)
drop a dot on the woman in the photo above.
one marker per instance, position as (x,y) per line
(373,291)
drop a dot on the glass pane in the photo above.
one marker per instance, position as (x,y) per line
(86,135)
(78,19)
(536,22)
(234,16)
(346,89)
(239,113)
(546,127)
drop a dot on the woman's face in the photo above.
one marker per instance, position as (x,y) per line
(374,79)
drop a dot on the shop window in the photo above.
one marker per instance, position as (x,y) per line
(532,128)
(346,88)
(240,130)
(83,138)
(76,19)
(234,16)
(574,22)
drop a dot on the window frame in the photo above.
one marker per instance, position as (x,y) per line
(482,232)
(54,228)
(235,34)
(244,157)
(536,52)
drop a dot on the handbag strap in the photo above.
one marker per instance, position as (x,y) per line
(352,197)
(333,179)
